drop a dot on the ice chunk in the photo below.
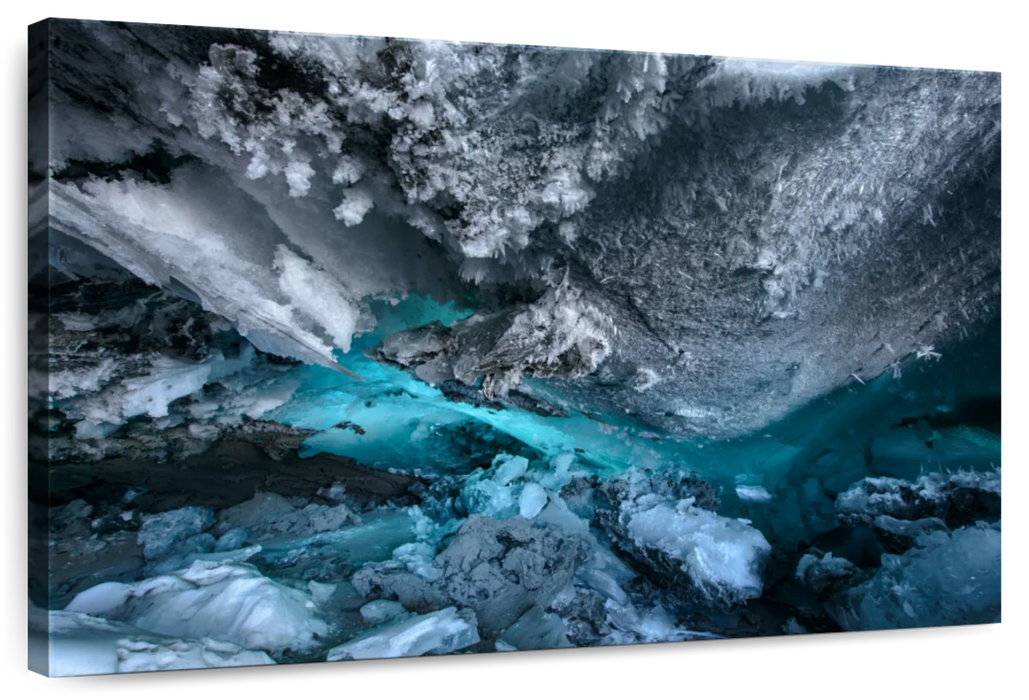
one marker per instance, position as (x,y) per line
(80,644)
(565,598)
(233,539)
(440,632)
(536,629)
(74,512)
(723,557)
(604,572)
(87,430)
(507,468)
(791,626)
(227,602)
(819,574)
(949,579)
(132,493)
(654,625)
(168,380)
(380,611)
(321,592)
(419,558)
(753,494)
(558,513)
(168,533)
(490,498)
(184,561)
(199,544)
(532,500)
(337,492)
(561,475)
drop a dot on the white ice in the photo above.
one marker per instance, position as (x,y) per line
(439,632)
(228,602)
(721,555)
(379,611)
(532,500)
(753,494)
(80,644)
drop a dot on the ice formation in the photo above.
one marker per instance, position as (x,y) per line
(445,164)
(900,511)
(228,602)
(536,629)
(661,523)
(440,632)
(83,645)
(175,532)
(945,579)
(361,348)
(824,572)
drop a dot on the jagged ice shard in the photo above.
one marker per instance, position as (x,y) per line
(347,348)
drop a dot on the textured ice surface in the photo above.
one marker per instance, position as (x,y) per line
(819,573)
(900,510)
(269,516)
(231,539)
(440,632)
(175,532)
(228,602)
(538,172)
(653,625)
(723,557)
(665,522)
(753,494)
(532,500)
(183,561)
(81,644)
(946,579)
(500,569)
(536,629)
(497,568)
(379,611)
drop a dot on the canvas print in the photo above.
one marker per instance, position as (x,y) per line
(352,348)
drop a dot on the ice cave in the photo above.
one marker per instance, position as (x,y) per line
(347,348)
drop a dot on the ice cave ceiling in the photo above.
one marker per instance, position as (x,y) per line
(697,244)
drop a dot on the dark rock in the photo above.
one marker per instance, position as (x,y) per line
(501,568)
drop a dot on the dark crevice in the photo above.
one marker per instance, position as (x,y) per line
(155,166)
